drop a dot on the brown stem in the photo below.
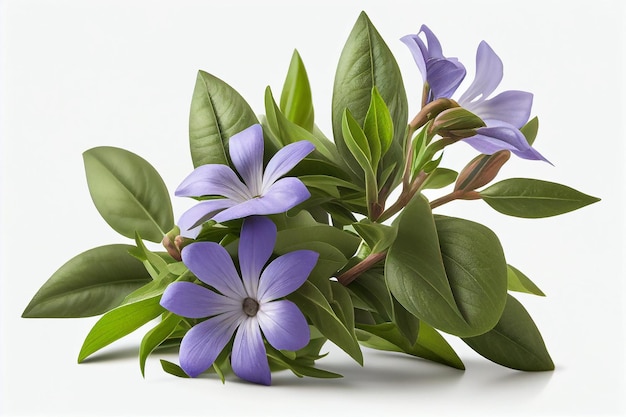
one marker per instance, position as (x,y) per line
(406,196)
(367,263)
(455,195)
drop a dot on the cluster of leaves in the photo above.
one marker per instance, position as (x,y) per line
(385,286)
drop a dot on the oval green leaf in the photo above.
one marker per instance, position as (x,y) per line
(515,342)
(451,275)
(217,113)
(296,101)
(532,199)
(128,192)
(89,284)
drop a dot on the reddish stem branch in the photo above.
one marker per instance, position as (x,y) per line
(367,263)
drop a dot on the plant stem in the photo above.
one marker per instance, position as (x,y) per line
(455,195)
(367,263)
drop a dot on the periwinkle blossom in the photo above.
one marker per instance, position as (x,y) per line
(260,193)
(250,306)
(443,75)
(503,114)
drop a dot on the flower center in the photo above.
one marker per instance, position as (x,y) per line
(250,306)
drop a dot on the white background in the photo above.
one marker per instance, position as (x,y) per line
(78,74)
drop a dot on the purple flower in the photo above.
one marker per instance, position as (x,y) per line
(260,193)
(443,75)
(243,306)
(503,114)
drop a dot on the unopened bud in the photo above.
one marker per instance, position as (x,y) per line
(169,243)
(457,123)
(481,170)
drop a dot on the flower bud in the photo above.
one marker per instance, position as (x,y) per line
(457,123)
(169,243)
(481,170)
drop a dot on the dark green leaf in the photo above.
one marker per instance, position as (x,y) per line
(173,369)
(128,192)
(155,337)
(378,127)
(366,62)
(371,288)
(515,342)
(407,323)
(346,243)
(530,129)
(519,282)
(299,369)
(439,178)
(378,236)
(530,198)
(452,275)
(295,100)
(217,113)
(316,307)
(119,322)
(89,284)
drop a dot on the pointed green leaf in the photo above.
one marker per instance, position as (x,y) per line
(345,242)
(89,284)
(530,198)
(118,323)
(296,102)
(515,342)
(378,127)
(173,369)
(217,113)
(157,335)
(451,275)
(297,367)
(519,282)
(366,62)
(530,129)
(439,178)
(378,236)
(128,192)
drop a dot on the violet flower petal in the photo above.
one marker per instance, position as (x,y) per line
(249,359)
(503,136)
(286,274)
(213,179)
(201,212)
(511,106)
(204,342)
(489,71)
(246,152)
(213,265)
(285,194)
(284,161)
(284,325)
(258,237)
(191,300)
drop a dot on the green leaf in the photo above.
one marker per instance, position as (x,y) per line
(153,263)
(452,275)
(89,284)
(299,369)
(217,113)
(378,127)
(439,178)
(429,345)
(407,323)
(378,236)
(519,282)
(316,307)
(345,242)
(515,342)
(173,369)
(296,102)
(366,62)
(156,287)
(530,129)
(128,193)
(155,337)
(531,199)
(119,322)
(371,288)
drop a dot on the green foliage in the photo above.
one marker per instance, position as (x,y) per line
(531,198)
(530,129)
(217,113)
(128,193)
(451,274)
(89,284)
(156,336)
(519,282)
(296,102)
(515,342)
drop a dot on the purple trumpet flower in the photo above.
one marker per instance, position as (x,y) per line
(443,75)
(260,193)
(243,306)
(503,114)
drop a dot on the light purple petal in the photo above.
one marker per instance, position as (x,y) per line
(492,139)
(284,325)
(512,107)
(195,302)
(284,160)
(258,237)
(200,213)
(246,152)
(419,51)
(286,274)
(204,342)
(213,179)
(285,194)
(444,77)
(489,70)
(249,359)
(213,265)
